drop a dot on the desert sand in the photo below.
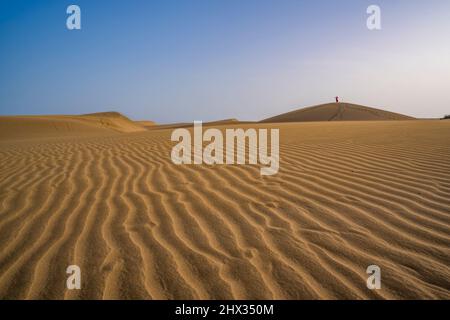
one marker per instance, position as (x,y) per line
(100,191)
(337,112)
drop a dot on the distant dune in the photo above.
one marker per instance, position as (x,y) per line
(337,112)
(190,124)
(146,123)
(65,125)
(113,120)
(109,199)
(221,122)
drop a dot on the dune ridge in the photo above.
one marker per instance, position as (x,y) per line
(337,112)
(190,124)
(146,124)
(38,127)
(348,195)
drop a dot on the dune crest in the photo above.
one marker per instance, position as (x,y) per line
(113,120)
(337,112)
(51,126)
(146,123)
(190,124)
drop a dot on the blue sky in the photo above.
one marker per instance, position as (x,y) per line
(180,60)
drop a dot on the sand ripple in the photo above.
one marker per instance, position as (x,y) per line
(347,195)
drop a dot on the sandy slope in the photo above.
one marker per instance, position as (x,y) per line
(337,112)
(348,195)
(37,127)
(146,124)
(190,124)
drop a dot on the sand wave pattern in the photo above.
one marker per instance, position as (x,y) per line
(348,195)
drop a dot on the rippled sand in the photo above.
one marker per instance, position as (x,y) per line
(348,195)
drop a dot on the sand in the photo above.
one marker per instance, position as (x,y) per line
(337,112)
(348,195)
(38,127)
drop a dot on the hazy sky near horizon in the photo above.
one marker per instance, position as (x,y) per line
(188,60)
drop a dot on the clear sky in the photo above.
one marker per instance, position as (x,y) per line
(182,60)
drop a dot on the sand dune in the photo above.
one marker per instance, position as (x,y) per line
(347,195)
(337,112)
(112,120)
(190,124)
(36,127)
(146,124)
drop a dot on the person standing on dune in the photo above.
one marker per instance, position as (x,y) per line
(337,99)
